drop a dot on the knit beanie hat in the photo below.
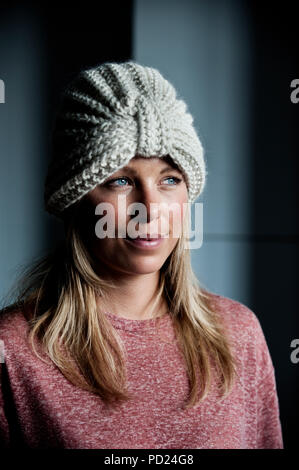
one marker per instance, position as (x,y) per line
(107,115)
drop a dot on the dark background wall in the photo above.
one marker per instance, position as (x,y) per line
(274,205)
(42,46)
(233,62)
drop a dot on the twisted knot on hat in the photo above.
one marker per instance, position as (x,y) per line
(109,114)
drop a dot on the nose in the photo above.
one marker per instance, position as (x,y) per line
(151,199)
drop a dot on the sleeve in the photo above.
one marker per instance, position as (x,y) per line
(4,427)
(269,433)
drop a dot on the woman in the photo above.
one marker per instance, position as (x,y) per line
(112,342)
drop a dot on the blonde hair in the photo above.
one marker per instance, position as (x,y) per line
(60,295)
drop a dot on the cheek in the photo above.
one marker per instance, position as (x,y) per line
(176,213)
(176,220)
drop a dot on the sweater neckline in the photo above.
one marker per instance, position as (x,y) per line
(133,325)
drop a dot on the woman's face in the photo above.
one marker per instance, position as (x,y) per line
(144,180)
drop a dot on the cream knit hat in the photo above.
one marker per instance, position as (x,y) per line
(109,114)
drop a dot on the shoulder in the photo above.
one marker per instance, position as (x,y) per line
(15,343)
(245,332)
(235,315)
(13,326)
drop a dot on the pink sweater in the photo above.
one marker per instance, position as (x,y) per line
(39,407)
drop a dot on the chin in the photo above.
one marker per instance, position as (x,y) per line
(144,268)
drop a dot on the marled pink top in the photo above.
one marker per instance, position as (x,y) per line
(39,407)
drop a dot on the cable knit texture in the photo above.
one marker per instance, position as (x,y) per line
(40,408)
(109,114)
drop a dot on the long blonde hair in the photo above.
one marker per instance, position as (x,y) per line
(59,294)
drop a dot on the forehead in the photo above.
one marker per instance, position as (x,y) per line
(162,162)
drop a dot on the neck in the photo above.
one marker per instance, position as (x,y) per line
(134,297)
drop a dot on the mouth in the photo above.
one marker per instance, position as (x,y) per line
(149,243)
(147,237)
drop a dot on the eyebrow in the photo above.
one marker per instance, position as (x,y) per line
(164,170)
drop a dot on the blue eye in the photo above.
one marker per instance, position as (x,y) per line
(122,178)
(176,180)
(118,179)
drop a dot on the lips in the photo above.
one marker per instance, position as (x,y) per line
(145,244)
(147,237)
